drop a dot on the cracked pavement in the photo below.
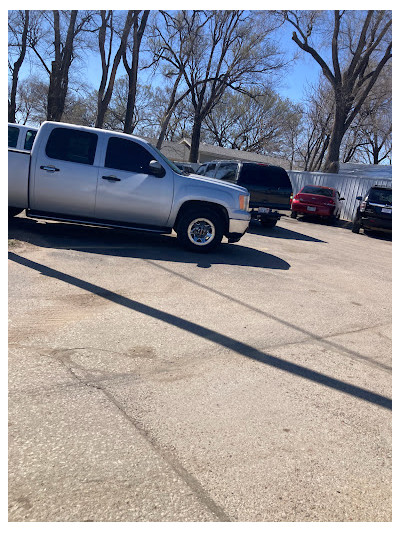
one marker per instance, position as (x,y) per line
(151,384)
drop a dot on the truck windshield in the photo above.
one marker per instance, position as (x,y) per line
(169,163)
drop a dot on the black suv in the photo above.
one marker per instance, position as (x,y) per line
(375,210)
(269,186)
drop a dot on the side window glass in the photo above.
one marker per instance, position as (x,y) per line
(123,154)
(227,172)
(210,170)
(12,136)
(29,138)
(201,170)
(72,145)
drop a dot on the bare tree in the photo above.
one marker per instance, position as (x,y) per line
(18,27)
(175,40)
(131,65)
(360,48)
(255,123)
(106,33)
(318,117)
(64,27)
(232,50)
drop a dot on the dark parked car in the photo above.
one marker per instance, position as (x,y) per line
(375,210)
(269,186)
(317,201)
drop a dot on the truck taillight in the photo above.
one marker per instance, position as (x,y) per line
(363,206)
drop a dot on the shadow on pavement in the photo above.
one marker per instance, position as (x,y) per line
(124,243)
(235,345)
(278,232)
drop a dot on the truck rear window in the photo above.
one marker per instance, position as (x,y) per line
(380,196)
(72,145)
(255,174)
(12,136)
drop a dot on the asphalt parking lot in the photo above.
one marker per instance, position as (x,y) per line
(148,383)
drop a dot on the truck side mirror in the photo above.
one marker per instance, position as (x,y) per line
(358,197)
(156,169)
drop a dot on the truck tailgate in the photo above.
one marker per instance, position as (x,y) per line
(18,178)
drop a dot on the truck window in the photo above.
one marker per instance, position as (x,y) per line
(12,136)
(210,170)
(201,170)
(72,145)
(29,138)
(258,174)
(127,155)
(227,172)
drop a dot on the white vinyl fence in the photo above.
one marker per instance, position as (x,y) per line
(349,187)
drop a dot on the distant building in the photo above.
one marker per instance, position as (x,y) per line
(179,151)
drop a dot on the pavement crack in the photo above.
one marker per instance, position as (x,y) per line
(170,458)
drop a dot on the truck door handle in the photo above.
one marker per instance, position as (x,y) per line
(111,178)
(49,168)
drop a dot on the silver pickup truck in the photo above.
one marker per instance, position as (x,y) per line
(98,177)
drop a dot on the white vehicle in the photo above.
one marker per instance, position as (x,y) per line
(21,137)
(99,177)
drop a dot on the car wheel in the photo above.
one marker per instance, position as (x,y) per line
(356,226)
(200,230)
(268,223)
(293,214)
(14,211)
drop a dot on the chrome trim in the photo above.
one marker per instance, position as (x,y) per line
(380,205)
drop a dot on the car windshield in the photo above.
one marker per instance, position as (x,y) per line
(309,189)
(169,163)
(380,196)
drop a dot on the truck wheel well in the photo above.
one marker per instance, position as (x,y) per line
(197,204)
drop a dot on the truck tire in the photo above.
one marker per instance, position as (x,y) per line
(200,230)
(14,211)
(268,223)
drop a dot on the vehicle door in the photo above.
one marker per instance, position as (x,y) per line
(64,176)
(127,191)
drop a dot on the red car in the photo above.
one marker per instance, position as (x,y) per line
(317,201)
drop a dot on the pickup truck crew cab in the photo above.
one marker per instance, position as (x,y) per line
(99,177)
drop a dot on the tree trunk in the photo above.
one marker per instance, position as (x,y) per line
(105,95)
(12,106)
(59,76)
(338,130)
(132,70)
(168,114)
(195,142)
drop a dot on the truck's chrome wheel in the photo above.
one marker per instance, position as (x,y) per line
(201,231)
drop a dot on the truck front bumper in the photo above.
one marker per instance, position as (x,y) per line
(237,228)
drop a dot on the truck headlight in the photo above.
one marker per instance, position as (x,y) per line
(244,200)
